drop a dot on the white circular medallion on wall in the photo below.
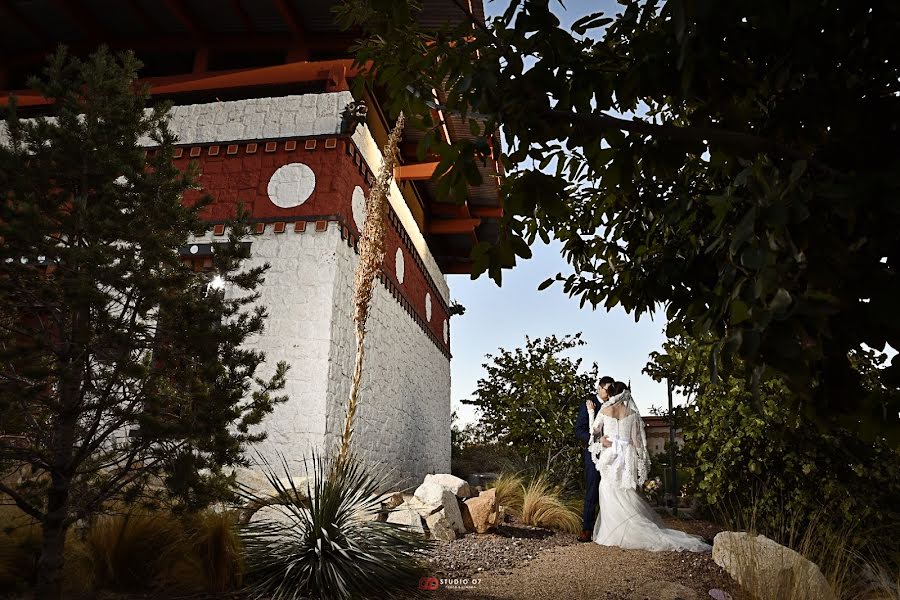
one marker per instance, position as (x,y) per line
(291,185)
(399,266)
(446,332)
(428,307)
(358,204)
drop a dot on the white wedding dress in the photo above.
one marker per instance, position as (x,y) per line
(626,519)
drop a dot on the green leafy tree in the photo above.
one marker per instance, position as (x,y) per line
(734,162)
(777,465)
(103,330)
(529,400)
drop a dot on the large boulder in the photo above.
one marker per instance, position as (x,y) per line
(391,500)
(663,590)
(430,492)
(440,527)
(450,482)
(407,516)
(275,513)
(483,511)
(423,508)
(452,513)
(767,569)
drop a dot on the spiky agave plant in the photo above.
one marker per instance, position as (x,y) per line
(328,544)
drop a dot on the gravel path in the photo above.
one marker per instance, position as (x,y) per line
(524,563)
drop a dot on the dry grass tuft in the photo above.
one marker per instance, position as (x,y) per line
(538,502)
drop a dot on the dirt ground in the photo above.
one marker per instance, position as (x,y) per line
(559,568)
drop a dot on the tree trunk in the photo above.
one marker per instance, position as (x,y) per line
(53,529)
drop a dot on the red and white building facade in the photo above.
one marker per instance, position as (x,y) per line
(282,144)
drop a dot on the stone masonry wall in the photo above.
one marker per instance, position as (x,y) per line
(403,420)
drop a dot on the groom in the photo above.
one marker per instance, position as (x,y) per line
(591,474)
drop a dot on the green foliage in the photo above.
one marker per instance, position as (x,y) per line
(332,547)
(778,463)
(104,332)
(734,162)
(529,400)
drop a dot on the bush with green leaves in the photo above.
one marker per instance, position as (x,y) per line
(529,400)
(332,547)
(777,463)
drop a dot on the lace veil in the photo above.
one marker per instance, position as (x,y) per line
(638,437)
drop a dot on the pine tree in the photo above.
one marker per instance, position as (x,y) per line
(122,370)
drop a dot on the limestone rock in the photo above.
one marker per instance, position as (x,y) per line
(663,590)
(767,569)
(275,513)
(467,518)
(452,513)
(423,508)
(440,527)
(450,482)
(430,492)
(391,500)
(407,516)
(483,511)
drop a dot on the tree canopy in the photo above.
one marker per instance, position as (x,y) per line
(529,399)
(121,368)
(732,162)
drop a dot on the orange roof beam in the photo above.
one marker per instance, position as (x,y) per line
(453,226)
(415,172)
(211,81)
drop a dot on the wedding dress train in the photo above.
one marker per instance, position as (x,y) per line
(626,520)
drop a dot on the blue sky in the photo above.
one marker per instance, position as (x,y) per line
(501,317)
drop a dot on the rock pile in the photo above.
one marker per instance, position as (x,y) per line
(444,508)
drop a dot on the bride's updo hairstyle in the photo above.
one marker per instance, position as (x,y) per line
(617,388)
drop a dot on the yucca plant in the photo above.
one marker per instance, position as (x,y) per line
(332,547)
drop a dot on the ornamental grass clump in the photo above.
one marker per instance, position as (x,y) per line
(326,542)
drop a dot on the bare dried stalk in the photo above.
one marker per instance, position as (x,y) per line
(371,257)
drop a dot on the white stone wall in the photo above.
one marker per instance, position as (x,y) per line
(258,118)
(403,420)
(297,294)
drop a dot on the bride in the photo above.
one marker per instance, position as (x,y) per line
(626,520)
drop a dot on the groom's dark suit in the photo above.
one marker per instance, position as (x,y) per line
(591,474)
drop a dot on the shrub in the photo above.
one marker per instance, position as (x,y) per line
(20,546)
(332,547)
(538,502)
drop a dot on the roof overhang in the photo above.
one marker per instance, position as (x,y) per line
(202,50)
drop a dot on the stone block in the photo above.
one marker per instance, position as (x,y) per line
(440,527)
(483,511)
(408,517)
(451,482)
(767,569)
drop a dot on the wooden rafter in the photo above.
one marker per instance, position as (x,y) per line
(211,81)
(144,17)
(415,172)
(81,15)
(182,43)
(181,12)
(6,6)
(239,10)
(453,226)
(290,16)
